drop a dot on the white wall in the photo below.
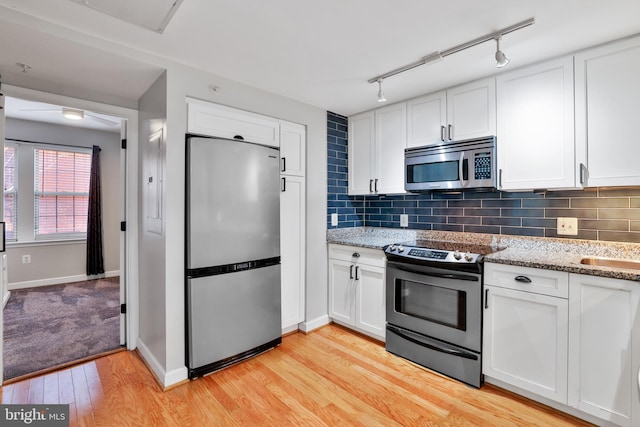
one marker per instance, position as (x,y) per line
(58,263)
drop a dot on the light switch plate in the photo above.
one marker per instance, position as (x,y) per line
(404,220)
(568,226)
(334,219)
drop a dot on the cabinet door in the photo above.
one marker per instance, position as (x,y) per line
(342,291)
(361,147)
(206,118)
(292,250)
(603,348)
(607,111)
(292,148)
(525,341)
(390,142)
(426,119)
(536,127)
(471,110)
(370,300)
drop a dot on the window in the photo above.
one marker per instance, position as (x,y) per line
(61,181)
(10,192)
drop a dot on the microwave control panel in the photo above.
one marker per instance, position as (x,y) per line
(482,165)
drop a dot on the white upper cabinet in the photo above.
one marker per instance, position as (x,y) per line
(535,139)
(206,118)
(377,140)
(463,112)
(292,148)
(607,112)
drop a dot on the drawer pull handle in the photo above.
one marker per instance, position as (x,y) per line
(522,279)
(356,255)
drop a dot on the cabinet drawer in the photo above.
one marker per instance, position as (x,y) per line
(373,257)
(546,282)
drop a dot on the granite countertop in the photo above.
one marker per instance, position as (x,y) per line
(547,253)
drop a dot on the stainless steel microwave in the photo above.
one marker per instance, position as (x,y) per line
(451,166)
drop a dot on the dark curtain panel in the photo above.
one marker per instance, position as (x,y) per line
(95,264)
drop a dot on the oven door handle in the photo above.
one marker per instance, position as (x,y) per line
(441,275)
(416,339)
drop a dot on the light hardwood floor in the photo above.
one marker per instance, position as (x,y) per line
(331,377)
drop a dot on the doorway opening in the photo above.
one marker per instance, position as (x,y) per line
(55,314)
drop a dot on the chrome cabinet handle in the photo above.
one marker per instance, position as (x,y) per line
(284,165)
(583,173)
(450,131)
(357,277)
(284,185)
(375,186)
(500,178)
(370,186)
(522,279)
(442,133)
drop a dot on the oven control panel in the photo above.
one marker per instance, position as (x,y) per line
(426,253)
(418,253)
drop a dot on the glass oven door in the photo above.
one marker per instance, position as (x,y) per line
(439,303)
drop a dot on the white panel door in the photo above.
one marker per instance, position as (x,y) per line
(471,110)
(525,341)
(604,350)
(370,300)
(292,148)
(390,142)
(607,112)
(292,249)
(535,139)
(342,291)
(426,119)
(361,152)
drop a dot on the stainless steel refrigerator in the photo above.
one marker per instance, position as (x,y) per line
(232,252)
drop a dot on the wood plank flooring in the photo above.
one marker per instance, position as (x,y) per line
(331,377)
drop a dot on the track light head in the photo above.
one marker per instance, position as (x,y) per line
(381,97)
(501,58)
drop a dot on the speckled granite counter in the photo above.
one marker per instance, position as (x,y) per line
(552,254)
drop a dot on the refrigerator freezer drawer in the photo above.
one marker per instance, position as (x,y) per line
(230,314)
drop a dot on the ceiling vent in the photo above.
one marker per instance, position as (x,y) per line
(152,15)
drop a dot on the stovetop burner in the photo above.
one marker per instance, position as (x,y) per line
(438,252)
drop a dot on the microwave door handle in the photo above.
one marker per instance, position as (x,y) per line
(461,170)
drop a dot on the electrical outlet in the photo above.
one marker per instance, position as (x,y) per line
(26,259)
(334,219)
(404,220)
(568,226)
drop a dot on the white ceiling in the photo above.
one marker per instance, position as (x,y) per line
(318,52)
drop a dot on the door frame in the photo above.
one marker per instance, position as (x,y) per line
(128,260)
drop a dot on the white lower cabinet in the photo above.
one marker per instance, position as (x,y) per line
(525,333)
(582,351)
(604,348)
(356,289)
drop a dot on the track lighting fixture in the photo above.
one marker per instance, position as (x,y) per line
(381,97)
(501,58)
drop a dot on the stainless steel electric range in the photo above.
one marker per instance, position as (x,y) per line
(434,306)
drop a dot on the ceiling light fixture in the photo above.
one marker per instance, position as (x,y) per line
(501,58)
(436,56)
(381,97)
(72,114)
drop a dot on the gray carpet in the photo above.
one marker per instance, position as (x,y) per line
(51,325)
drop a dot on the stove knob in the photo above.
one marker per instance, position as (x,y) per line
(392,248)
(468,257)
(401,248)
(457,255)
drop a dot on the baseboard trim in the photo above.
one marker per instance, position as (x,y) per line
(311,325)
(57,280)
(164,378)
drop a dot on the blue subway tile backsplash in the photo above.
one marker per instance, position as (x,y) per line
(611,214)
